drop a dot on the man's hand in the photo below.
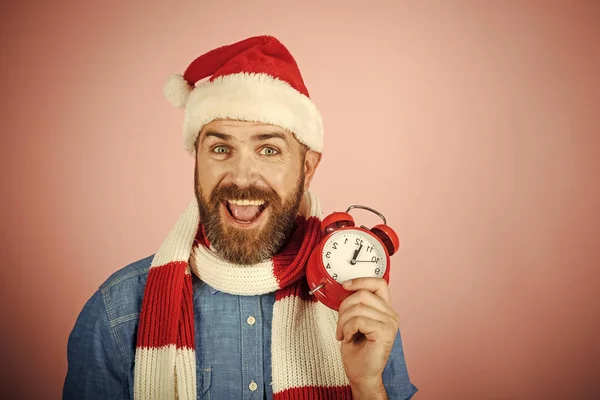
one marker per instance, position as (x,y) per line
(367,327)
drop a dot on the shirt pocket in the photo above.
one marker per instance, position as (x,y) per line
(204,386)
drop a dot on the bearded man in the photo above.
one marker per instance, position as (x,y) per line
(222,310)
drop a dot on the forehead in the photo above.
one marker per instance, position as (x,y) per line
(243,130)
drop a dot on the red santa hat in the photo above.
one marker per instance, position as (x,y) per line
(256,79)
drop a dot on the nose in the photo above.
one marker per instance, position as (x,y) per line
(244,170)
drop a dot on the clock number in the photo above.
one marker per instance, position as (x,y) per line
(358,241)
(377,270)
(375,259)
(334,276)
(328,254)
(328,266)
(335,245)
(346,241)
(369,248)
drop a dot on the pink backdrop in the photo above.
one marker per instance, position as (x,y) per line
(473,127)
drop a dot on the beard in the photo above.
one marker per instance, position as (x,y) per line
(248,246)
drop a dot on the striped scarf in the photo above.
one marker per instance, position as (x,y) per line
(306,361)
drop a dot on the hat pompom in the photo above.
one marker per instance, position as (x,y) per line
(177,90)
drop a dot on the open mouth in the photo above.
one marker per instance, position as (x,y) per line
(245,211)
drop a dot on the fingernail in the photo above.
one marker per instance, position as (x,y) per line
(347,283)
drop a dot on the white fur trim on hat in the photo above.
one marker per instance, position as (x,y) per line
(252,97)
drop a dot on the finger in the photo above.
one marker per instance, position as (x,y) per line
(365,297)
(372,329)
(362,310)
(378,286)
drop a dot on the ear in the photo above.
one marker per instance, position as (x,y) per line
(311,162)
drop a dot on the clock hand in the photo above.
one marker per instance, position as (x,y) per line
(355,255)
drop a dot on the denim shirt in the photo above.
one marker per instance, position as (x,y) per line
(233,343)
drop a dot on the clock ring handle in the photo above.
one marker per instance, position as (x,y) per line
(368,209)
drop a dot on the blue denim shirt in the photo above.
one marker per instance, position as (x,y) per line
(233,342)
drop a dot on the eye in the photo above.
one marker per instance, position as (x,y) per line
(268,151)
(220,149)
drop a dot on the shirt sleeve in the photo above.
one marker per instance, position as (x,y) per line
(395,375)
(95,366)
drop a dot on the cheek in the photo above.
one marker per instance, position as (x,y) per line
(283,180)
(207,177)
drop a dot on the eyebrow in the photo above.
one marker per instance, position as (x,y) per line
(258,137)
(218,135)
(267,136)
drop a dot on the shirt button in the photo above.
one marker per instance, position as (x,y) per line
(251,320)
(253,386)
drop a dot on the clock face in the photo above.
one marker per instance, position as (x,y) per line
(352,253)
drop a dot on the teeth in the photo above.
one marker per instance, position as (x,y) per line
(246,202)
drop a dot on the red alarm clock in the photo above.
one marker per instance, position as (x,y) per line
(348,252)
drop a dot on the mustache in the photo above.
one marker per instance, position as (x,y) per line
(233,191)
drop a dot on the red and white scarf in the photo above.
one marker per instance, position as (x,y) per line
(306,360)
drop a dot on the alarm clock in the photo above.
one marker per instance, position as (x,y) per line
(347,252)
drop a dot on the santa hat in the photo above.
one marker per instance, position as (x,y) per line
(256,79)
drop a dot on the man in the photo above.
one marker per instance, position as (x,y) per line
(222,309)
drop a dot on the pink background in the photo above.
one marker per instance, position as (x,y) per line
(472,125)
